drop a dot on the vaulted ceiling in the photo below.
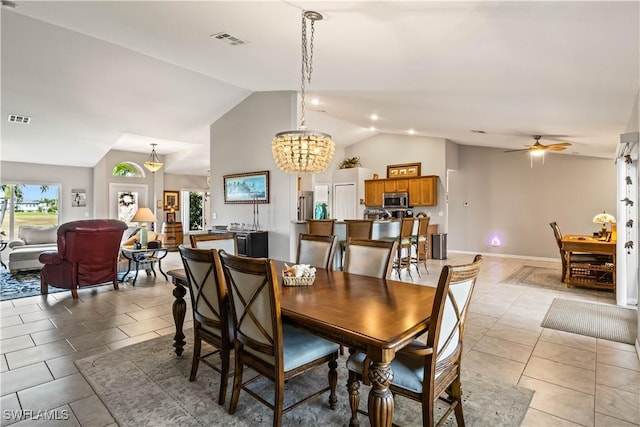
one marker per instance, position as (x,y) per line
(96,76)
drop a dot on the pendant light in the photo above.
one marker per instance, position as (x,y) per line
(303,150)
(153,164)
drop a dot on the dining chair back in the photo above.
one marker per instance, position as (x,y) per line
(361,229)
(226,241)
(420,244)
(425,372)
(211,316)
(321,227)
(317,251)
(275,350)
(370,257)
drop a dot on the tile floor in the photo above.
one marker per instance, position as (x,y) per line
(578,380)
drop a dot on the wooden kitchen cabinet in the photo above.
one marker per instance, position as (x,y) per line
(373,189)
(423,191)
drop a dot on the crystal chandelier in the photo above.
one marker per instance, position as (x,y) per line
(153,164)
(303,150)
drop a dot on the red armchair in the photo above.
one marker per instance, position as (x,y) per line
(87,254)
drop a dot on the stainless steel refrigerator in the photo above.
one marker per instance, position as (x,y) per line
(305,205)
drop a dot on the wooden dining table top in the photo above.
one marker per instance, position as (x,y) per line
(370,314)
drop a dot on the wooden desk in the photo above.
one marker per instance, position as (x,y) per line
(375,316)
(599,276)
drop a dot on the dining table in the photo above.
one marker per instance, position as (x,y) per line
(368,314)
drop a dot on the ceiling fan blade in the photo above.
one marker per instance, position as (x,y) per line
(561,144)
(513,151)
(556,147)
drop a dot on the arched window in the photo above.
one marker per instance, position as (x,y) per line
(128,169)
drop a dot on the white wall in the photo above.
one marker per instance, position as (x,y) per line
(509,198)
(241,142)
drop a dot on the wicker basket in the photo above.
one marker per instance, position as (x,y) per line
(298,281)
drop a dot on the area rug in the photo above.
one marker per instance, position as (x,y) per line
(548,278)
(21,285)
(147,384)
(604,321)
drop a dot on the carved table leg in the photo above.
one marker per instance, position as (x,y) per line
(179,312)
(380,397)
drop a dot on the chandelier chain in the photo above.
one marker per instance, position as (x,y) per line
(307,63)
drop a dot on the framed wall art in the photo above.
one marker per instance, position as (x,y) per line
(252,187)
(171,200)
(404,170)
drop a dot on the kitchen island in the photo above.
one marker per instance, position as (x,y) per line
(381,228)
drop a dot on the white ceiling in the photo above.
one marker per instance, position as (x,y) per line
(96,76)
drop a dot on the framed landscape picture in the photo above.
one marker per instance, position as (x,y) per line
(252,187)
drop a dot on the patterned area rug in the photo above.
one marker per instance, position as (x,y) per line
(549,278)
(21,285)
(604,321)
(147,384)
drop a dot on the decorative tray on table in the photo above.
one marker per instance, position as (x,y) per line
(298,275)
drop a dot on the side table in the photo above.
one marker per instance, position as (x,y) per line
(145,257)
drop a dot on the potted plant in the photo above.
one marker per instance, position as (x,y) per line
(350,162)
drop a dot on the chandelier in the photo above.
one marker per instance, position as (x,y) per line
(303,150)
(153,164)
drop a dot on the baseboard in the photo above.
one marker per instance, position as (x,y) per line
(489,254)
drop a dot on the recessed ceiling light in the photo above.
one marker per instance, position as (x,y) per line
(411,132)
(315,101)
(16,118)
(372,128)
(373,117)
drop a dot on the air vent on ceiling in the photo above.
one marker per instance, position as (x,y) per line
(14,118)
(229,39)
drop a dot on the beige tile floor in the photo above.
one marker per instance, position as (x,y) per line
(578,380)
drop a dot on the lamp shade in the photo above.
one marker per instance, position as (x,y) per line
(144,215)
(604,218)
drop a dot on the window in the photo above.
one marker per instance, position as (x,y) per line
(195,210)
(27,204)
(128,169)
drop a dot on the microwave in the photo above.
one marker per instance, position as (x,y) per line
(395,200)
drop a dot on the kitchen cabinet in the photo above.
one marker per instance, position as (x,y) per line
(373,189)
(423,190)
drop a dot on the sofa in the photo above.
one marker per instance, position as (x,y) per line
(31,242)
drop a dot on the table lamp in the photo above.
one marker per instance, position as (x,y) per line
(142,216)
(604,219)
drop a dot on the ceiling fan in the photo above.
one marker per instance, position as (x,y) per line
(539,149)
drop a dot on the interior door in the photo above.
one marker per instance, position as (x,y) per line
(125,199)
(344,201)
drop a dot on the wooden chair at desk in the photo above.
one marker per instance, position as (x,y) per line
(575,257)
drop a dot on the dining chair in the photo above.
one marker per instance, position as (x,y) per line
(420,244)
(370,257)
(226,241)
(317,251)
(264,343)
(575,257)
(424,372)
(321,227)
(211,314)
(361,229)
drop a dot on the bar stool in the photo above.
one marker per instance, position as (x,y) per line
(404,242)
(321,227)
(420,243)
